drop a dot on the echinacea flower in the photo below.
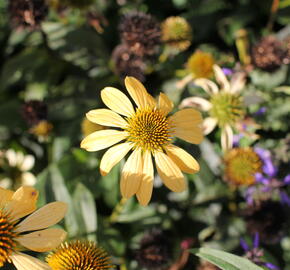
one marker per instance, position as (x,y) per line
(16,169)
(32,232)
(148,131)
(241,166)
(85,255)
(225,105)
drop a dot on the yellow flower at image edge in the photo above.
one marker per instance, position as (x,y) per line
(83,255)
(32,232)
(148,131)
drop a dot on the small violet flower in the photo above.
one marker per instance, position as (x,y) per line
(255,254)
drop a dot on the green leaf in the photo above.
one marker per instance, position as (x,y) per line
(225,260)
(85,208)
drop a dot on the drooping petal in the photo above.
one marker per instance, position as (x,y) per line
(169,172)
(196,102)
(144,192)
(187,125)
(208,86)
(106,117)
(117,101)
(138,92)
(238,82)
(165,104)
(27,163)
(23,202)
(132,174)
(44,217)
(25,262)
(209,124)
(182,159)
(113,156)
(5,197)
(221,78)
(227,138)
(42,241)
(102,139)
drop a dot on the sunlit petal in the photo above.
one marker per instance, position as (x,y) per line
(196,102)
(102,139)
(106,117)
(209,124)
(221,78)
(227,138)
(25,262)
(165,104)
(117,101)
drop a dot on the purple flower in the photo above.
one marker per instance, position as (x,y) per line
(227,71)
(261,111)
(255,254)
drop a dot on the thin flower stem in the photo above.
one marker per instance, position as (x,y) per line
(117,210)
(274,9)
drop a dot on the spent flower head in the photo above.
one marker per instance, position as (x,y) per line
(30,233)
(148,131)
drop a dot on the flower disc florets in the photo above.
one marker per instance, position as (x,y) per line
(7,236)
(227,108)
(149,129)
(79,255)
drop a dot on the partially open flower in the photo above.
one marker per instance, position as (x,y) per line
(241,166)
(269,54)
(16,169)
(83,255)
(27,13)
(148,131)
(225,106)
(141,33)
(177,33)
(126,63)
(32,232)
(200,65)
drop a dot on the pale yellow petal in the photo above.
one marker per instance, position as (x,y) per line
(196,102)
(209,124)
(117,101)
(132,174)
(169,172)
(106,117)
(165,104)
(44,217)
(42,241)
(23,202)
(208,86)
(238,82)
(182,159)
(221,78)
(5,196)
(113,156)
(227,138)
(144,192)
(138,92)
(25,262)
(102,139)
(187,125)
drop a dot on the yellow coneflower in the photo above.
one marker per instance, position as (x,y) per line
(176,32)
(89,127)
(84,255)
(241,165)
(148,131)
(31,232)
(200,65)
(225,106)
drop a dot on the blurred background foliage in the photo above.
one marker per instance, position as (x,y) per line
(65,60)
